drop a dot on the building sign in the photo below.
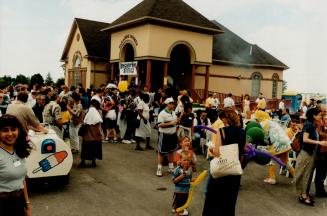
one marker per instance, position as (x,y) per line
(127,37)
(128,68)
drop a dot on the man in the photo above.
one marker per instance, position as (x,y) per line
(215,101)
(208,102)
(167,137)
(261,102)
(25,114)
(52,114)
(321,159)
(39,106)
(229,102)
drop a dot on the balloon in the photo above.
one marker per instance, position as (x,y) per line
(251,152)
(251,125)
(255,135)
(190,195)
(206,127)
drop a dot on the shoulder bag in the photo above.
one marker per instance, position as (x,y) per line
(227,163)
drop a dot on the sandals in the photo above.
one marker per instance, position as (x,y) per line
(306,200)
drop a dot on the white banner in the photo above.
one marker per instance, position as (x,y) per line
(128,68)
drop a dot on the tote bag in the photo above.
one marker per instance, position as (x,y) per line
(227,163)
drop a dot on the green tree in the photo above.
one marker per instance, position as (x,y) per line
(6,81)
(37,79)
(60,82)
(284,86)
(22,79)
(48,79)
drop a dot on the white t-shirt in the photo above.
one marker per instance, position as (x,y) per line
(281,105)
(146,110)
(215,102)
(164,117)
(228,102)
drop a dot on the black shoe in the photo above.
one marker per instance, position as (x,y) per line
(306,201)
(93,164)
(149,147)
(321,193)
(81,165)
(138,148)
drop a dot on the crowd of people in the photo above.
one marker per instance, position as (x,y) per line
(86,118)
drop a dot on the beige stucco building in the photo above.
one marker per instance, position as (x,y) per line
(173,45)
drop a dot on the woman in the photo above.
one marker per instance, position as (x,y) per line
(222,192)
(246,106)
(76,111)
(92,139)
(13,151)
(144,130)
(305,160)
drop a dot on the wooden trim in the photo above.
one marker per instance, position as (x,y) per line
(234,77)
(162,21)
(249,65)
(148,73)
(206,82)
(165,74)
(152,58)
(193,76)
(92,71)
(112,75)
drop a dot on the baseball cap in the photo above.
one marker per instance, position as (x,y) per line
(169,100)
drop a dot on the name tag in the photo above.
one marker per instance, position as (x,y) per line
(17,163)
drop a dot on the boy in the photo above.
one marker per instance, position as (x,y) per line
(182,180)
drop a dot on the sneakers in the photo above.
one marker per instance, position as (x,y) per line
(138,148)
(126,141)
(114,140)
(270,181)
(185,212)
(159,173)
(149,147)
(106,139)
(133,141)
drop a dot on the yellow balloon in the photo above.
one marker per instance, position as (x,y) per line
(122,86)
(193,185)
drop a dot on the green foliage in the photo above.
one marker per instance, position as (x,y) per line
(60,82)
(284,86)
(37,79)
(22,79)
(48,79)
(6,81)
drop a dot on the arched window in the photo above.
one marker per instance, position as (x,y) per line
(256,81)
(275,79)
(77,60)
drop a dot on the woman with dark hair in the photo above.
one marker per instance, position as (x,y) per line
(305,160)
(13,151)
(92,139)
(222,192)
(144,130)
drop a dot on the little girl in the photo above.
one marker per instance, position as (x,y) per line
(65,120)
(185,145)
(182,179)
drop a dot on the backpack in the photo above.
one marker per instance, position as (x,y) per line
(78,119)
(297,142)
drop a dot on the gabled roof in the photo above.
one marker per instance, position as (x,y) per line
(229,48)
(97,43)
(174,13)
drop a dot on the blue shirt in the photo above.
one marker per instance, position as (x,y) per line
(183,186)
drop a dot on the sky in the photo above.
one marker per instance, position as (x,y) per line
(33,33)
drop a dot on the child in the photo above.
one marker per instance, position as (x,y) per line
(65,120)
(185,145)
(111,123)
(182,180)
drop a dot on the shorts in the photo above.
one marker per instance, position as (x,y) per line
(167,143)
(179,200)
(110,124)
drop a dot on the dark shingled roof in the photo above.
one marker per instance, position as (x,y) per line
(231,49)
(165,10)
(97,42)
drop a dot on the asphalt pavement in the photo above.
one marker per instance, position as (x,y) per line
(124,183)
